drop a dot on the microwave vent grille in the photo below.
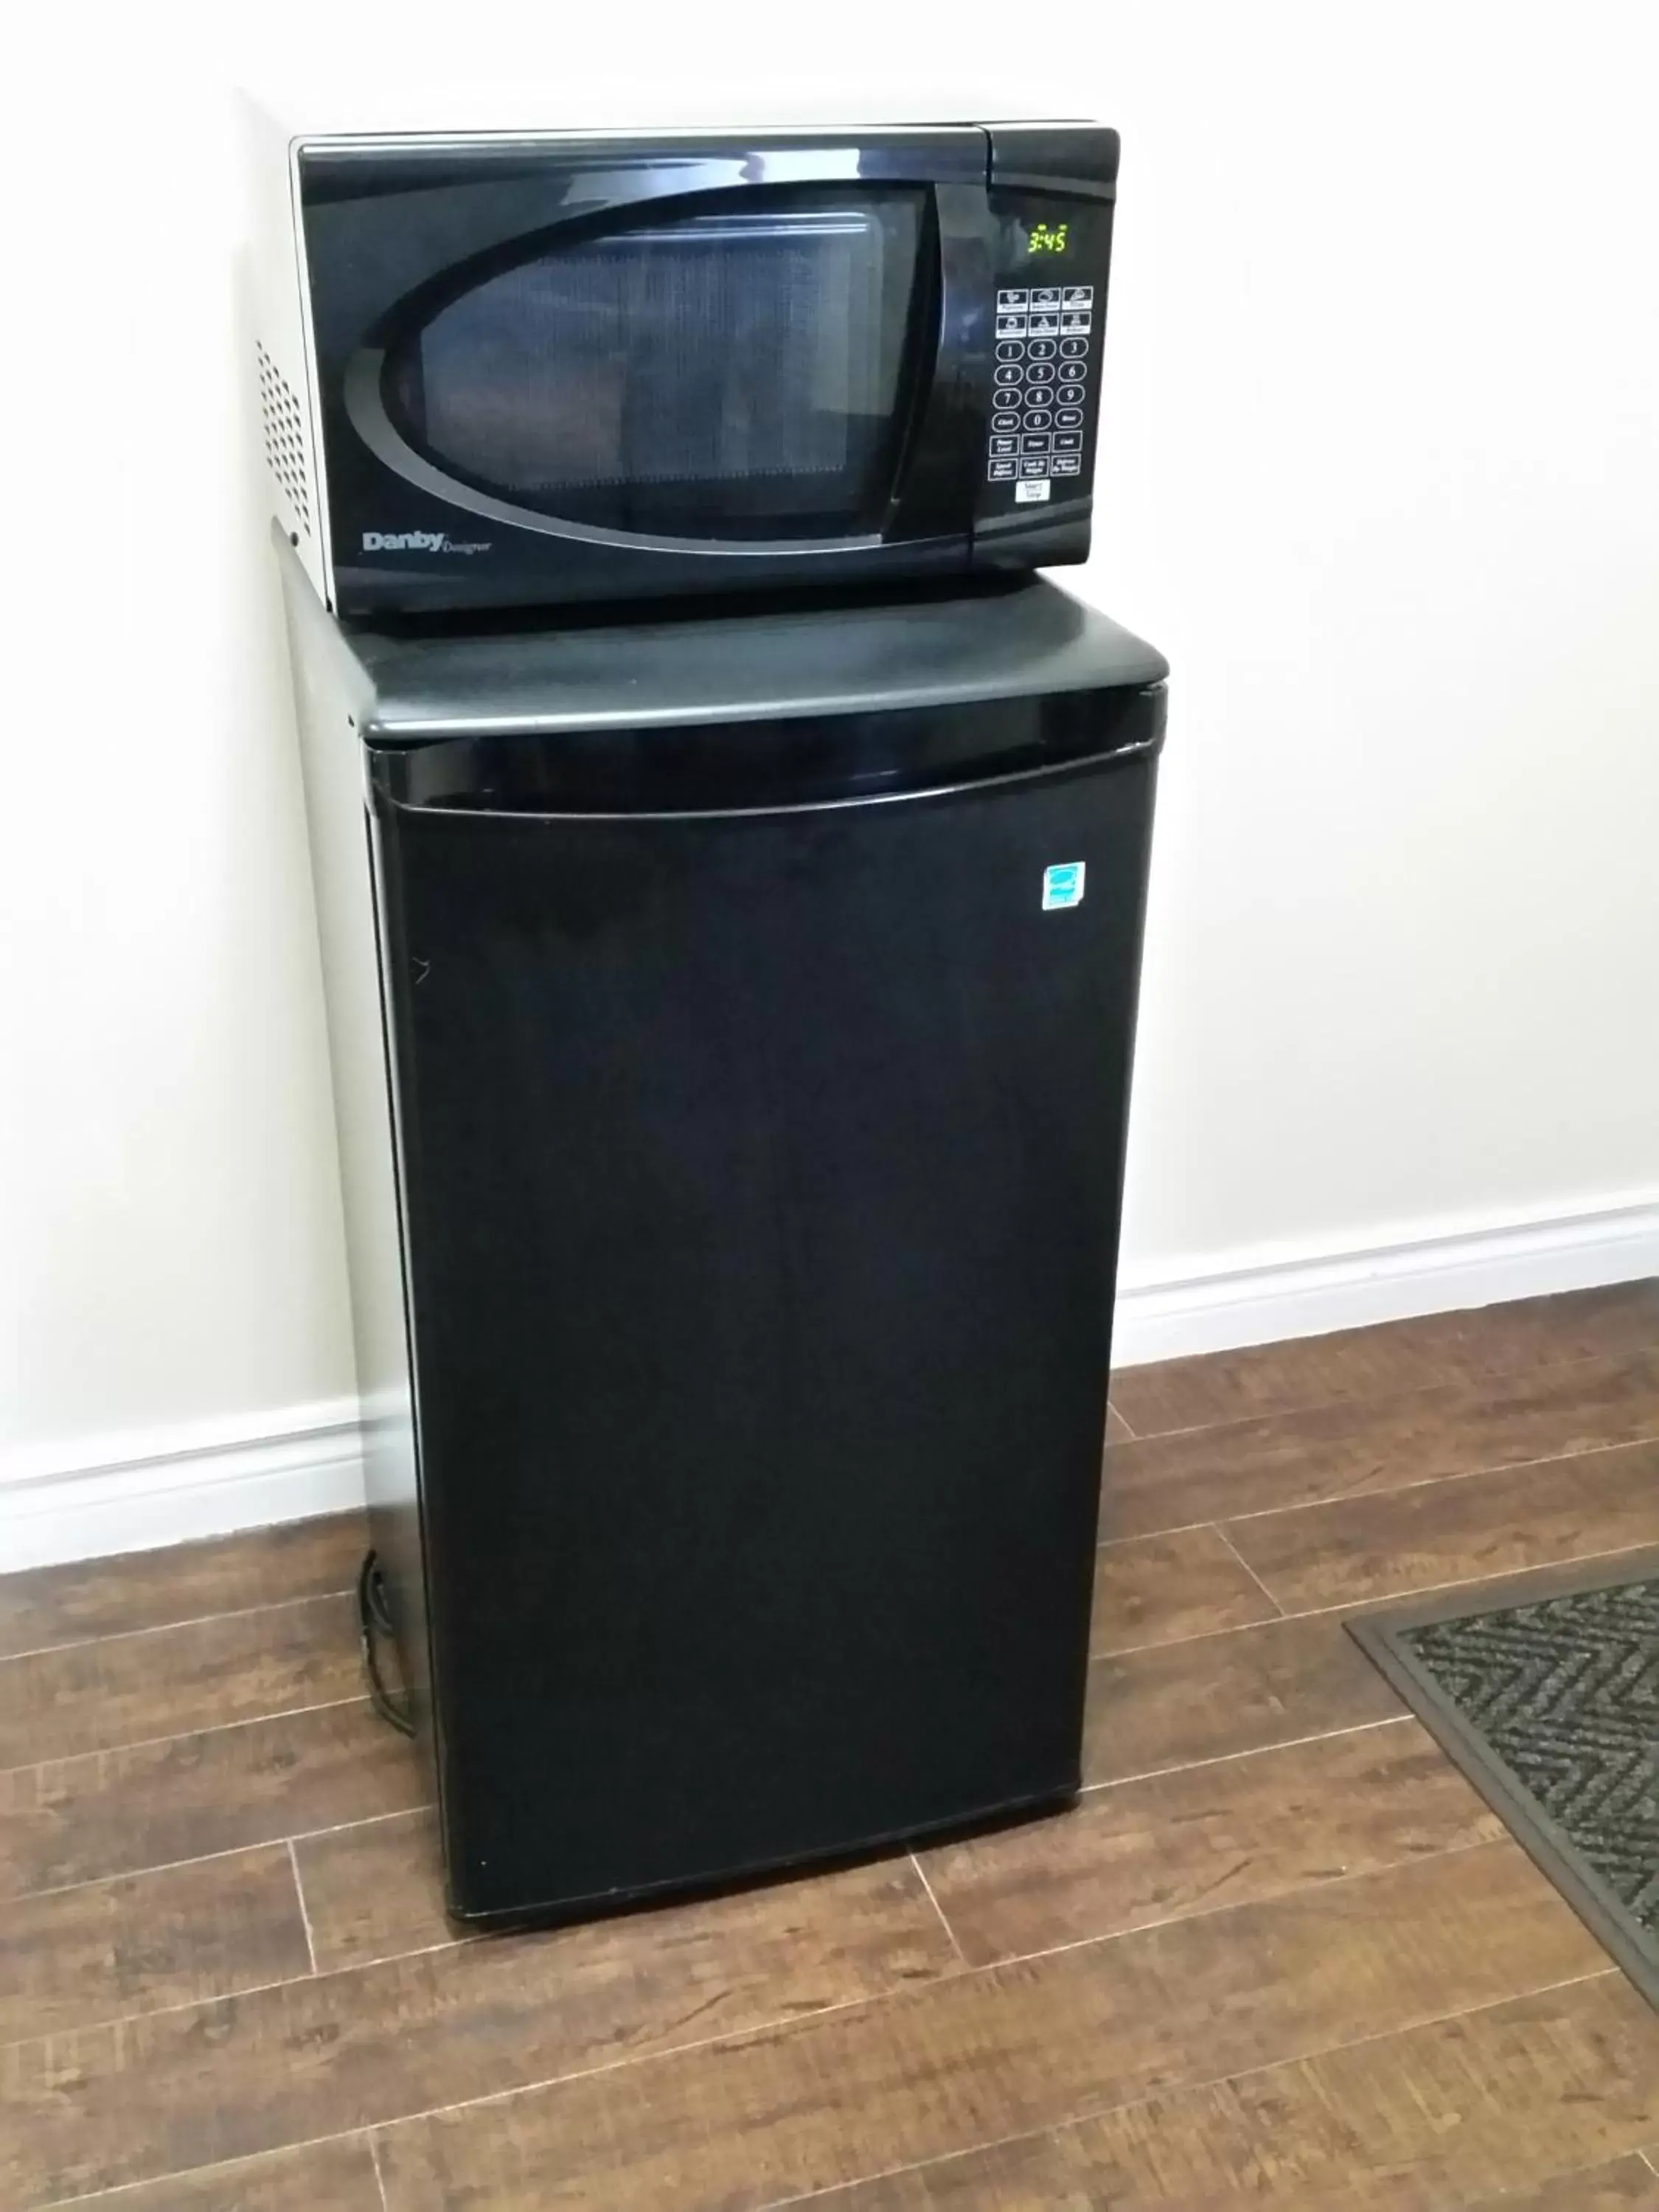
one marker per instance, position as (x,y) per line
(284,427)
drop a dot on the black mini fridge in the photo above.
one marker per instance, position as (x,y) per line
(730,1023)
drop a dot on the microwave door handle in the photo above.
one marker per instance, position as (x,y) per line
(939,470)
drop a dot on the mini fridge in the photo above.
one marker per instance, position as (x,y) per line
(731,1025)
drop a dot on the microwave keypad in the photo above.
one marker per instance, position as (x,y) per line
(1042,341)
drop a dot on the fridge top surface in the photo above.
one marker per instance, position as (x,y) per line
(1008,643)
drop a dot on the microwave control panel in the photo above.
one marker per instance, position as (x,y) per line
(1049,312)
(1040,400)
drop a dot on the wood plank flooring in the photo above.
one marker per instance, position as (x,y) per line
(1280,1956)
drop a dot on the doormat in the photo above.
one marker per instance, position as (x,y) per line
(1550,1705)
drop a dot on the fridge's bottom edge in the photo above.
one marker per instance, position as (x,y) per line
(602,1903)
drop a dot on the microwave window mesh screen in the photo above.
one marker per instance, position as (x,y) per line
(727,374)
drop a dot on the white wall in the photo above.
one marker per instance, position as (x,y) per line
(1381,474)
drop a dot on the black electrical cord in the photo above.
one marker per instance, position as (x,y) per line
(379,1608)
(373,1619)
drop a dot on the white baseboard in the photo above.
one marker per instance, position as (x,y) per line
(1271,1294)
(168,1485)
(130,1493)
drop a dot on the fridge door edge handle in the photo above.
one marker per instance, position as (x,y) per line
(1047,772)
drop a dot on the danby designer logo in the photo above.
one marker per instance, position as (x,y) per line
(416,541)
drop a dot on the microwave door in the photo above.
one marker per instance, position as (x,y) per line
(756,384)
(732,375)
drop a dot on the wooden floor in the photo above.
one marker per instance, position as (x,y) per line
(1281,1956)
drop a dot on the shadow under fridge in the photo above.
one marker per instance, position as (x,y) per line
(731,1024)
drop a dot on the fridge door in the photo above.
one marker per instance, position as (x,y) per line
(761,1172)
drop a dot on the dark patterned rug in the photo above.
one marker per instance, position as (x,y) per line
(1550,1705)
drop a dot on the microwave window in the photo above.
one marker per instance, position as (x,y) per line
(739,374)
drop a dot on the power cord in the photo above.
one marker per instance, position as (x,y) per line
(374,1618)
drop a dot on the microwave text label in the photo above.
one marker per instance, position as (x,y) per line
(417,541)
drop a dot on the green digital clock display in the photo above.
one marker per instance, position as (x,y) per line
(1048,239)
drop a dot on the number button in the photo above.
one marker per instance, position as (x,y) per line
(1039,350)
(1040,372)
(1069,395)
(1010,349)
(1074,348)
(1009,374)
(1039,418)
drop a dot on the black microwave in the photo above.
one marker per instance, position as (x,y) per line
(524,371)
